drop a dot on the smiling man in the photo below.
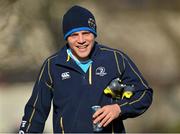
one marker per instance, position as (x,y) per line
(81,44)
(75,78)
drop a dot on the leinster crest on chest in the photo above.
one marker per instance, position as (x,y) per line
(101,71)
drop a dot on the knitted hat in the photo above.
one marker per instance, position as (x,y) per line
(77,19)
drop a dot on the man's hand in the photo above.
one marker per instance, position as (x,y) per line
(106,114)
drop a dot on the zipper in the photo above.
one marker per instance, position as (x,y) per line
(112,128)
(61,125)
(90,74)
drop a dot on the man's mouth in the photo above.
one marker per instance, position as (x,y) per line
(82,46)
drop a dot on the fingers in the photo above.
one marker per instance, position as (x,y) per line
(108,118)
(104,124)
(106,114)
(99,115)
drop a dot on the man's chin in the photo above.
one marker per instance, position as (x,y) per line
(82,57)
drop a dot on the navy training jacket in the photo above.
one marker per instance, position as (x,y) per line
(74,92)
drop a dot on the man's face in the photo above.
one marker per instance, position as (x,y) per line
(81,44)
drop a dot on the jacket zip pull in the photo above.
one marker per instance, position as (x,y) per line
(112,127)
(90,74)
(61,125)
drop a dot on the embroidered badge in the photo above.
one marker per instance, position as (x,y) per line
(92,23)
(65,75)
(23,123)
(101,71)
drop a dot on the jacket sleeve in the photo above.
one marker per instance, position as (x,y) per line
(142,94)
(38,107)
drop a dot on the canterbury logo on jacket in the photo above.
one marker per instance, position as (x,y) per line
(74,92)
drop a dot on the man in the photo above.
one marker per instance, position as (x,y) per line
(75,78)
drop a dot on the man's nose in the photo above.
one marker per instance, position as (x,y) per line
(81,39)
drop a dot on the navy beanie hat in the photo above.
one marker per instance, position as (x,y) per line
(77,19)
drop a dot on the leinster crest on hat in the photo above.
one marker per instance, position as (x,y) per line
(92,23)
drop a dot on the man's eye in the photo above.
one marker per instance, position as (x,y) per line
(74,35)
(86,33)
